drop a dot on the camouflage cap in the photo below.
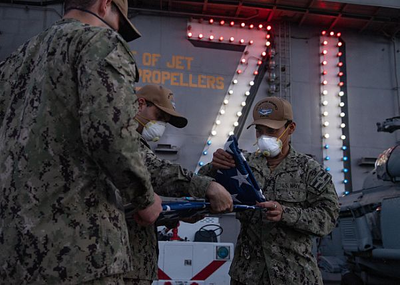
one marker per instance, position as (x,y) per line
(127,30)
(272,112)
(163,99)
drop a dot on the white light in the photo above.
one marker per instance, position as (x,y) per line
(226,101)
(326,136)
(231,133)
(341,104)
(325,114)
(326,123)
(239,114)
(247,93)
(342,137)
(222,111)
(218,122)
(342,125)
(251,83)
(234,81)
(325,103)
(325,92)
(214,133)
(341,93)
(230,92)
(243,104)
(235,124)
(342,114)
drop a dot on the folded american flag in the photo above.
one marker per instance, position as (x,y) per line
(239,180)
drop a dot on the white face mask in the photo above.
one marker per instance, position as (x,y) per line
(269,146)
(153,130)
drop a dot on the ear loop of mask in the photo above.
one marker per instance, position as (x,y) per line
(90,12)
(140,122)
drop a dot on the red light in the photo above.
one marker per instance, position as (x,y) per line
(324,72)
(269,28)
(324,43)
(251,26)
(339,54)
(324,62)
(242,41)
(341,84)
(189,35)
(340,64)
(332,34)
(239,71)
(211,21)
(232,23)
(211,37)
(259,62)
(268,36)
(260,26)
(231,39)
(263,53)
(323,33)
(200,36)
(221,39)
(242,25)
(324,82)
(251,42)
(339,44)
(255,72)
(243,60)
(222,22)
(339,35)
(324,51)
(340,74)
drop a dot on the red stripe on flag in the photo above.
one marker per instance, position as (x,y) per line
(162,275)
(208,270)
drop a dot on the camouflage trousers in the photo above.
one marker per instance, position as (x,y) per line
(129,281)
(109,280)
(234,282)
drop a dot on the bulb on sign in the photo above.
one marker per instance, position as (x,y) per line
(230,92)
(325,114)
(214,133)
(247,93)
(239,114)
(222,111)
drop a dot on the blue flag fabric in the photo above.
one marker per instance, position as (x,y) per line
(239,181)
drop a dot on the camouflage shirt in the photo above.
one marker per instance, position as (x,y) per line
(280,253)
(68,150)
(170,180)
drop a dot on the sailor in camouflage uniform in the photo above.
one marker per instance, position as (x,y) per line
(168,179)
(274,244)
(69,149)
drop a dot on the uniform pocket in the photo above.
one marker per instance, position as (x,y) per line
(290,192)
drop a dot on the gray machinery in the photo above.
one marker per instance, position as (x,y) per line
(365,246)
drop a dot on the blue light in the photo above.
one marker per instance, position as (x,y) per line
(345,181)
(327,158)
(345,170)
(345,158)
(205,152)
(201,163)
(344,147)
(328,169)
(208,142)
(346,192)
(326,146)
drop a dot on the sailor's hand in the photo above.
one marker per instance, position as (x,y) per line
(220,199)
(222,160)
(149,215)
(273,210)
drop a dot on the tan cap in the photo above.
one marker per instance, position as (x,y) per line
(272,112)
(127,30)
(163,99)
